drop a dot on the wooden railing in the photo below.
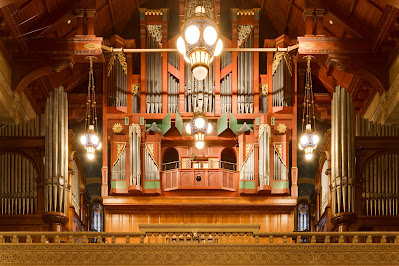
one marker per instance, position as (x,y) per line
(214,244)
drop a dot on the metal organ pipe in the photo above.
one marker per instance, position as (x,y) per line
(264,155)
(343,159)
(151,168)
(247,171)
(154,80)
(380,178)
(135,154)
(56,149)
(245,78)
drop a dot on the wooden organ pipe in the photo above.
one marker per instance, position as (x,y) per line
(343,159)
(18,187)
(245,95)
(380,188)
(56,158)
(151,168)
(154,80)
(264,155)
(135,154)
(247,171)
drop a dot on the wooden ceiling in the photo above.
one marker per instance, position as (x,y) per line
(26,21)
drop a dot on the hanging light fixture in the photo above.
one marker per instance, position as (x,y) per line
(199,125)
(308,140)
(199,42)
(90,139)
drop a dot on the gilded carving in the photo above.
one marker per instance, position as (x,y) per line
(117,128)
(282,128)
(135,127)
(92,46)
(264,89)
(243,32)
(264,128)
(277,60)
(156,33)
(248,149)
(150,148)
(135,89)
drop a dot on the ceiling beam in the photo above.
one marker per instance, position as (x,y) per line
(350,25)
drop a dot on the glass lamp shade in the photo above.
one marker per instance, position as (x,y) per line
(200,72)
(94,139)
(199,144)
(209,129)
(83,139)
(99,146)
(210,35)
(199,10)
(192,34)
(199,123)
(188,128)
(186,59)
(181,46)
(219,48)
(90,156)
(308,156)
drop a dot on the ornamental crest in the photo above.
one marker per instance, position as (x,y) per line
(136,128)
(156,33)
(281,128)
(264,89)
(264,128)
(278,57)
(243,32)
(248,149)
(121,59)
(135,89)
(278,147)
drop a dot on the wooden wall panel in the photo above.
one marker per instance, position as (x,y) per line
(128,221)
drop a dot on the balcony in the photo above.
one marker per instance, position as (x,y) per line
(199,244)
(206,175)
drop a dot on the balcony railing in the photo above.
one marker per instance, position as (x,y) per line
(206,244)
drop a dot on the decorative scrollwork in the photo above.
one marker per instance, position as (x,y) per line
(156,33)
(243,32)
(277,59)
(135,89)
(264,89)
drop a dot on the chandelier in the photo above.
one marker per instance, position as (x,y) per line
(199,125)
(309,139)
(90,139)
(199,42)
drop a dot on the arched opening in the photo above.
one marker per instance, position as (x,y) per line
(170,159)
(228,159)
(303,217)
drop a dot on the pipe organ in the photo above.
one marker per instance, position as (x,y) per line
(75,187)
(117,80)
(264,155)
(240,155)
(135,154)
(380,178)
(282,82)
(56,152)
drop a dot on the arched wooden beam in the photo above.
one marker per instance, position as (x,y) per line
(373,79)
(35,74)
(394,3)
(4,3)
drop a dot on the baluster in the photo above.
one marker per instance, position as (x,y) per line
(99,239)
(227,238)
(249,235)
(313,239)
(42,239)
(113,239)
(256,239)
(397,239)
(85,239)
(28,239)
(235,238)
(128,239)
(2,240)
(270,239)
(327,239)
(57,239)
(206,237)
(369,239)
(242,237)
(341,239)
(284,239)
(355,239)
(298,239)
(70,239)
(15,239)
(142,238)
(156,237)
(163,237)
(383,239)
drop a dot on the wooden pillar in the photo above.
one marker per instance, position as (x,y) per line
(319,21)
(79,13)
(308,15)
(90,21)
(104,170)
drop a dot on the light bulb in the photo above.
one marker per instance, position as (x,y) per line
(90,156)
(209,128)
(308,156)
(94,139)
(218,48)
(304,140)
(188,128)
(199,123)
(83,139)
(200,9)
(315,139)
(200,72)
(99,146)
(199,144)
(210,35)
(180,45)
(192,34)
(186,58)
(300,146)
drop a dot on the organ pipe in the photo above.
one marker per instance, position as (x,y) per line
(56,150)
(247,171)
(119,167)
(173,94)
(264,155)
(117,82)
(225,94)
(154,78)
(245,78)
(343,159)
(280,169)
(282,85)
(135,154)
(380,192)
(151,168)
